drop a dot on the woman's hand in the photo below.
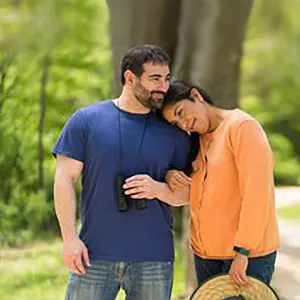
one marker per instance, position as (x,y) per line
(177,180)
(238,270)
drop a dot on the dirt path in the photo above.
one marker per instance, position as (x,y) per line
(287,275)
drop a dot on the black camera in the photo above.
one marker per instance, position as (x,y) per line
(123,201)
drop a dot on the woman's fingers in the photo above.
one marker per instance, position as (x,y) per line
(181,178)
(177,180)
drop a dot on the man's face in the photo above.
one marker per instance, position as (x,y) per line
(150,89)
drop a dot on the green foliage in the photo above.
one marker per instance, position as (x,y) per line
(290,212)
(270,83)
(73,36)
(287,169)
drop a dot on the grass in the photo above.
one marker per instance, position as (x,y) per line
(37,272)
(33,272)
(290,212)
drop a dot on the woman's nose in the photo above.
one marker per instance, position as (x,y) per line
(183,124)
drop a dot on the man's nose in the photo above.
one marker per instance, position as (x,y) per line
(163,87)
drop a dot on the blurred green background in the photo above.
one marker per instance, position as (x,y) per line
(55,56)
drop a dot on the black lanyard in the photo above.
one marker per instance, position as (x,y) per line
(120,138)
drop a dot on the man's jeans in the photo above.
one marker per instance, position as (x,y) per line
(139,280)
(261,267)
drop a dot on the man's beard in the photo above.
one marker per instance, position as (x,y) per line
(152,100)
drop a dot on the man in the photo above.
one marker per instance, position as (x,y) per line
(125,241)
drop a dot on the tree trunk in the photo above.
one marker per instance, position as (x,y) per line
(188,256)
(5,90)
(134,22)
(2,82)
(204,38)
(209,50)
(44,81)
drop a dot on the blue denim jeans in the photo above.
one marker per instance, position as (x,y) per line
(261,267)
(139,280)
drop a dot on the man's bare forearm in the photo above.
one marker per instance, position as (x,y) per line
(166,195)
(65,206)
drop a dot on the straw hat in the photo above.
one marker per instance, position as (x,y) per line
(221,287)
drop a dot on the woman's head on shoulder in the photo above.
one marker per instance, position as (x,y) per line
(188,106)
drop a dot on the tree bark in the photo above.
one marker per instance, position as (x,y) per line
(209,49)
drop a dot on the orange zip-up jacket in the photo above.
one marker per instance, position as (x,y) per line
(232,192)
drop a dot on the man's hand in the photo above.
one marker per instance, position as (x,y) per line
(73,253)
(238,270)
(177,180)
(142,187)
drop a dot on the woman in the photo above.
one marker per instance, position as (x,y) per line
(233,222)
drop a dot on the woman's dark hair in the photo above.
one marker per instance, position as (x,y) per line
(178,91)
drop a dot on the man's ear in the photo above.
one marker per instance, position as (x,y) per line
(194,93)
(129,77)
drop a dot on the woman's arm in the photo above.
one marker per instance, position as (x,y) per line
(254,160)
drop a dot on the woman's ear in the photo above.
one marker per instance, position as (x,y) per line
(194,93)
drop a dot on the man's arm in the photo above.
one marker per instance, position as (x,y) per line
(67,174)
(144,187)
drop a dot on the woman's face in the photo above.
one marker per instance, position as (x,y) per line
(190,116)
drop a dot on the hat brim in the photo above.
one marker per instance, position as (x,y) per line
(222,286)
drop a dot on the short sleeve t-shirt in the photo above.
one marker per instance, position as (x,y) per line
(110,141)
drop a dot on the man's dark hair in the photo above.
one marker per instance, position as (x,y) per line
(137,56)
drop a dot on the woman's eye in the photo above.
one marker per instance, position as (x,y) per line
(179,112)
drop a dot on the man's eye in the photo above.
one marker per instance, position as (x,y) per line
(179,112)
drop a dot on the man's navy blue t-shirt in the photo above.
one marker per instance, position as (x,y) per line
(92,136)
